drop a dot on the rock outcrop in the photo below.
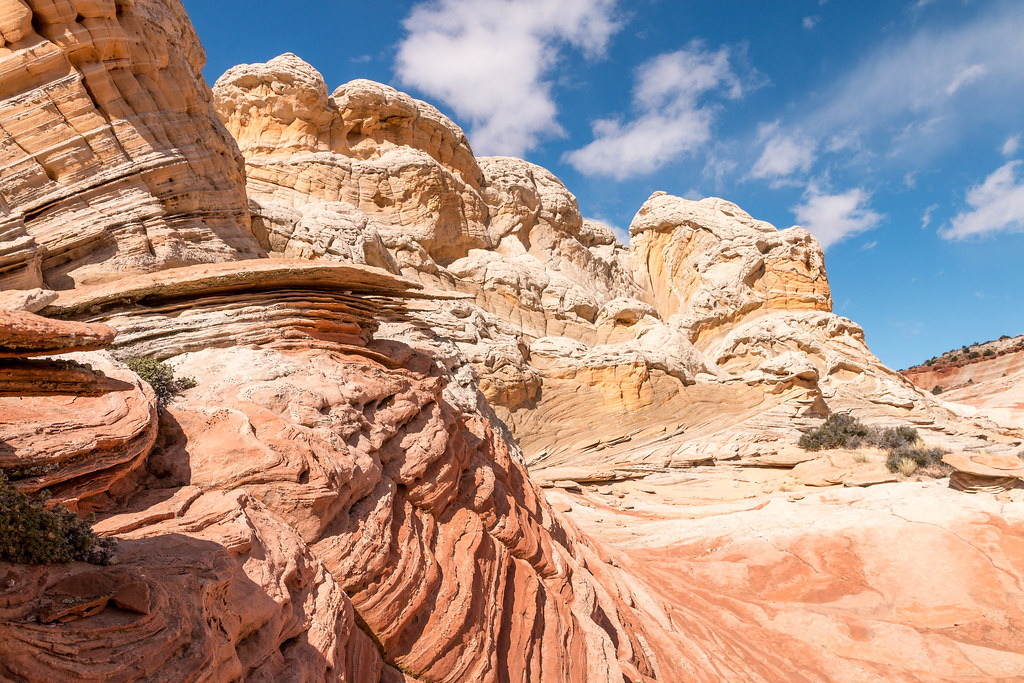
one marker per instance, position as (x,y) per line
(343,495)
(315,474)
(712,337)
(985,380)
(79,426)
(113,160)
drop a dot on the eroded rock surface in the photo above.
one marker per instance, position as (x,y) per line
(112,157)
(337,499)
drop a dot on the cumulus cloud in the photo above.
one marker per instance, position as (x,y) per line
(997,205)
(811,22)
(671,117)
(834,217)
(1011,146)
(783,153)
(491,61)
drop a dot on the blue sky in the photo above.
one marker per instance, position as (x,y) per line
(894,130)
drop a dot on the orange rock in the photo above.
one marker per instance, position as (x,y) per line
(26,334)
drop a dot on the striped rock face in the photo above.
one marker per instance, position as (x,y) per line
(111,156)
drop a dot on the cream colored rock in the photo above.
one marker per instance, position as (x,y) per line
(712,263)
(112,157)
(396,159)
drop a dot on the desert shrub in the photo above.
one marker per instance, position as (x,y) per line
(936,390)
(973,354)
(906,467)
(160,376)
(838,431)
(921,456)
(989,352)
(894,437)
(32,532)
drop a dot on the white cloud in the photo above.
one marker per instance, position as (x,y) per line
(966,75)
(811,22)
(491,61)
(783,153)
(926,217)
(834,217)
(670,121)
(920,93)
(996,205)
(1011,146)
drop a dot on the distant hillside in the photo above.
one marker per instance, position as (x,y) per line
(968,364)
(984,379)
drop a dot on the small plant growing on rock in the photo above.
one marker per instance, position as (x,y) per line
(160,376)
(838,431)
(894,437)
(906,466)
(920,456)
(33,532)
(936,390)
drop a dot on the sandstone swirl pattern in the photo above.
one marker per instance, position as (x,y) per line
(337,499)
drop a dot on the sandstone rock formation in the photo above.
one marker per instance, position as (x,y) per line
(80,426)
(112,158)
(337,499)
(990,385)
(709,308)
(908,581)
(316,474)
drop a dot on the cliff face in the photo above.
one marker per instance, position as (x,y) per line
(337,499)
(112,158)
(313,475)
(712,336)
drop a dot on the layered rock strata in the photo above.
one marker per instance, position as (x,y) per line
(112,158)
(324,491)
(79,426)
(712,337)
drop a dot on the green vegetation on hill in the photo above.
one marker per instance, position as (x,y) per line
(989,349)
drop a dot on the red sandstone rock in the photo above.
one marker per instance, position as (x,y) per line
(26,334)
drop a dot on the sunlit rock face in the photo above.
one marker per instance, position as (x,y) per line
(342,496)
(711,336)
(314,474)
(112,158)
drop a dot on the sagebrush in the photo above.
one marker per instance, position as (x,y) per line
(903,443)
(35,532)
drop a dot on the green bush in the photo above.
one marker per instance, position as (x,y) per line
(922,456)
(973,354)
(160,376)
(32,532)
(936,390)
(989,352)
(894,437)
(838,431)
